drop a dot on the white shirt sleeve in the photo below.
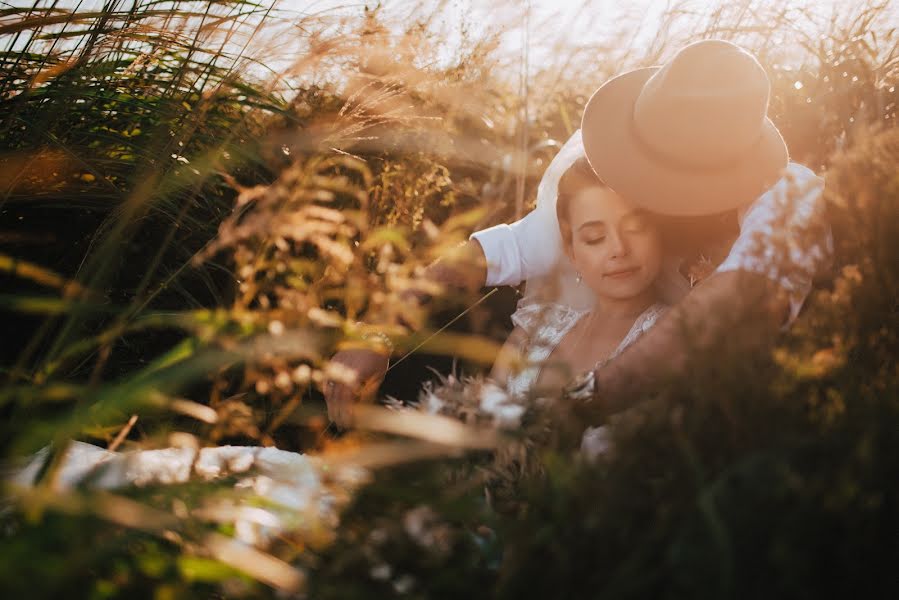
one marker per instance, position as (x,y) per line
(527,248)
(784,235)
(501,252)
(531,247)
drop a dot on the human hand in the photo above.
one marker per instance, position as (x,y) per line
(463,267)
(369,367)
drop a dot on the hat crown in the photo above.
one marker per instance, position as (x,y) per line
(704,108)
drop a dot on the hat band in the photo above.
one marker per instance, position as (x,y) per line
(678,163)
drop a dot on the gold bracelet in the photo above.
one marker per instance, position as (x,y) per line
(380,337)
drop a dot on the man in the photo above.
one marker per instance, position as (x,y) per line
(689,138)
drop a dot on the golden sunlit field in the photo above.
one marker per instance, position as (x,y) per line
(201,202)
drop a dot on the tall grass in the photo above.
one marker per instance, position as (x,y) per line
(202,201)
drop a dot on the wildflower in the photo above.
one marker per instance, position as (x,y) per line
(595,442)
(501,406)
(302,374)
(432,404)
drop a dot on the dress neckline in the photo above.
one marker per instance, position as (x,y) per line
(548,324)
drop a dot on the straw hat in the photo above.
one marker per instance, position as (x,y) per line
(691,137)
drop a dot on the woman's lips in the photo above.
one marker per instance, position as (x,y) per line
(621,273)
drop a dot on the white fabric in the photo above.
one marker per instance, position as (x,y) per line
(529,249)
(784,235)
(546,325)
(300,492)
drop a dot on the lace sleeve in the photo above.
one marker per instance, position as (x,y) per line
(528,317)
(582,387)
(536,318)
(543,326)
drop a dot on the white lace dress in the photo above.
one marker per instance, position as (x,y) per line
(545,326)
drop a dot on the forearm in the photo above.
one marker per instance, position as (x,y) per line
(744,308)
(448,281)
(464,268)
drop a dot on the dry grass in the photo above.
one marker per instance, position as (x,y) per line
(200,202)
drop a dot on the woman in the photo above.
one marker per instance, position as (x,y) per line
(626,276)
(618,253)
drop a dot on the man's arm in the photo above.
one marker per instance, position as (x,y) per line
(784,243)
(745,308)
(500,255)
(464,269)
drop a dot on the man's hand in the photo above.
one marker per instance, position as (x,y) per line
(370,367)
(465,268)
(462,268)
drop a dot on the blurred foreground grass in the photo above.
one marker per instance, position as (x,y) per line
(185,238)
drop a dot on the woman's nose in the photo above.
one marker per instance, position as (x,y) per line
(619,245)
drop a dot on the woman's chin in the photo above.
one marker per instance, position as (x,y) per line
(621,290)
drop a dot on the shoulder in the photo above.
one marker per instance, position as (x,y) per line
(785,235)
(797,198)
(649,318)
(652,315)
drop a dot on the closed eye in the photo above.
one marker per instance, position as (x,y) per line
(592,232)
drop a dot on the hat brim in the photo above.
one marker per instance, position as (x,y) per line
(624,165)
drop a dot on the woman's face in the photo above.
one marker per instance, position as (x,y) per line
(614,245)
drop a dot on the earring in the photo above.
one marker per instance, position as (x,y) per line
(579,278)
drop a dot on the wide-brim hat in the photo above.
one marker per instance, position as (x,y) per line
(691,137)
